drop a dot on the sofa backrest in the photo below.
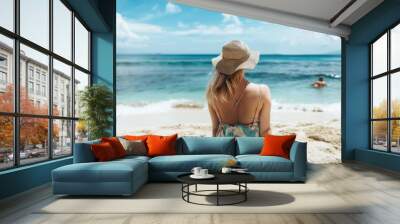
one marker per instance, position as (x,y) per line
(83,153)
(249,145)
(192,145)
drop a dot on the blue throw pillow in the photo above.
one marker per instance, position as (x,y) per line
(206,145)
(249,145)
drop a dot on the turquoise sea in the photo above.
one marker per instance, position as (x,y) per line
(159,81)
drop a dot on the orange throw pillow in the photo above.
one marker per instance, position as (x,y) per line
(277,145)
(161,145)
(103,152)
(116,145)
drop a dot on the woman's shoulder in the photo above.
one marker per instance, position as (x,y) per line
(257,88)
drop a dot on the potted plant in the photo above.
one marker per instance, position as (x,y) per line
(96,103)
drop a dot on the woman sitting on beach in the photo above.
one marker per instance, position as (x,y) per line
(237,107)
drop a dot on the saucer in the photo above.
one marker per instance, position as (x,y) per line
(208,176)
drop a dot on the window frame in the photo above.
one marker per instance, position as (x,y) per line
(16,114)
(388,74)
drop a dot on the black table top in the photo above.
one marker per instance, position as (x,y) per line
(220,178)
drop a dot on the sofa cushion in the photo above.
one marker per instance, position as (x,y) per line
(275,145)
(191,145)
(103,152)
(249,145)
(185,163)
(161,145)
(116,145)
(83,152)
(112,171)
(257,163)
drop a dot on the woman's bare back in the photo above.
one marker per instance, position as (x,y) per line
(251,103)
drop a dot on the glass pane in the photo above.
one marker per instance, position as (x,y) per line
(379,55)
(395,47)
(6,74)
(81,81)
(62,29)
(34,16)
(34,97)
(62,89)
(7,14)
(81,45)
(33,139)
(395,136)
(62,138)
(81,131)
(6,142)
(379,135)
(395,94)
(379,97)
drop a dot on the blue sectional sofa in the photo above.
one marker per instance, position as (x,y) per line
(125,176)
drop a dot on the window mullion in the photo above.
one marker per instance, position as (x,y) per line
(73,82)
(50,81)
(389,113)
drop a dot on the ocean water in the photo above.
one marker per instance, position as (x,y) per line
(158,82)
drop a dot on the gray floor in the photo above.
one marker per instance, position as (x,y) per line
(377,188)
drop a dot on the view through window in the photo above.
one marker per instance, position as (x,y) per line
(385,82)
(38,82)
(164,53)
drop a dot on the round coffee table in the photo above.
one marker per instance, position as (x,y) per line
(238,179)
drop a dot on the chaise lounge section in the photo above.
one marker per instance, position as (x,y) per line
(125,176)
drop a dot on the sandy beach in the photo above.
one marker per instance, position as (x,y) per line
(319,128)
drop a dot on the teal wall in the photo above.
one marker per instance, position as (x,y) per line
(99,16)
(356,100)
(103,64)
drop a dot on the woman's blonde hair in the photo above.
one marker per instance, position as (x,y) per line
(222,87)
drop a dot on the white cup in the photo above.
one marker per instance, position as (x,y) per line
(203,172)
(196,171)
(226,170)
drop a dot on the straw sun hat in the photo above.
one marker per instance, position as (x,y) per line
(235,56)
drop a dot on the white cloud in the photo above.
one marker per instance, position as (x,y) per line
(133,34)
(171,8)
(231,19)
(230,25)
(134,30)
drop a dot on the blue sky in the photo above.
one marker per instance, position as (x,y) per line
(159,26)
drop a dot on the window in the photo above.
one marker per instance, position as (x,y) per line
(62,29)
(3,61)
(3,78)
(30,72)
(7,14)
(37,90)
(6,73)
(44,91)
(62,137)
(6,142)
(30,87)
(81,45)
(385,91)
(61,75)
(44,131)
(35,21)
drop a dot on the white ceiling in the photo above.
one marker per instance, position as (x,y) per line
(326,16)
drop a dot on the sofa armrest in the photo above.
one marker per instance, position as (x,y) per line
(83,152)
(298,155)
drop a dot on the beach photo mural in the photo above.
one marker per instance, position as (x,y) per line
(164,54)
